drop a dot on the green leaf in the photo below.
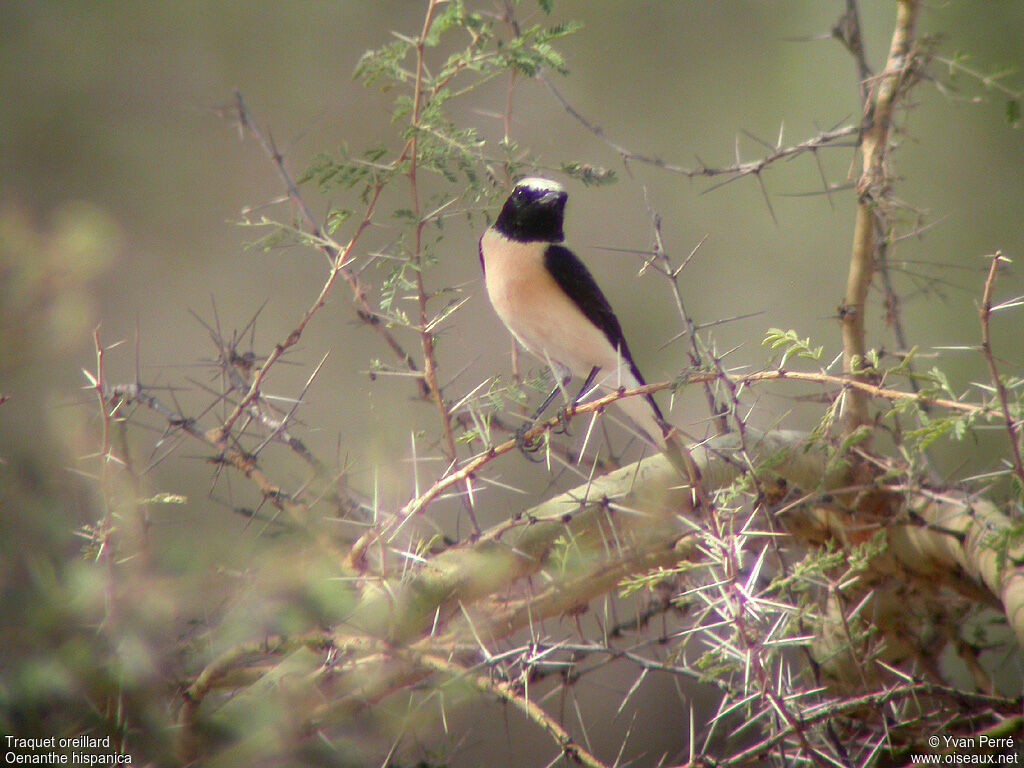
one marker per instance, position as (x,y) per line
(1013,112)
(824,427)
(384,63)
(932,429)
(774,338)
(558,30)
(442,22)
(336,218)
(280,237)
(940,379)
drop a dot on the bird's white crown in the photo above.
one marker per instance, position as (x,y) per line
(540,184)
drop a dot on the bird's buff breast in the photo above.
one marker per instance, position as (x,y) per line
(533,307)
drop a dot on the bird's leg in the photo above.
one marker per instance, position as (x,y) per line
(570,409)
(586,385)
(551,396)
(527,448)
(521,443)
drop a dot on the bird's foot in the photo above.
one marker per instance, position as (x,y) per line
(528,446)
(564,414)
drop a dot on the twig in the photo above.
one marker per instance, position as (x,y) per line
(990,82)
(327,245)
(411,151)
(225,664)
(339,261)
(104,536)
(664,265)
(848,31)
(426,335)
(246,464)
(828,710)
(507,692)
(236,369)
(227,455)
(985,313)
(739,169)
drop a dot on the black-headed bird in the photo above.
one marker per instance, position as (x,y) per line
(553,306)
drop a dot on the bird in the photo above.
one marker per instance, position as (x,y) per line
(551,304)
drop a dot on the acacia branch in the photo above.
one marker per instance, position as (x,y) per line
(236,369)
(829,138)
(664,265)
(985,313)
(872,194)
(950,540)
(426,334)
(415,506)
(508,693)
(340,259)
(585,543)
(246,464)
(231,455)
(327,245)
(944,696)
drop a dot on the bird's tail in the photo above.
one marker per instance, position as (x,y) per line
(679,456)
(646,415)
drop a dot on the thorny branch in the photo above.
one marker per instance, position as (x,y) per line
(829,138)
(872,197)
(508,693)
(340,256)
(330,248)
(985,314)
(826,710)
(103,551)
(236,369)
(663,264)
(426,334)
(848,31)
(417,505)
(246,464)
(415,613)
(233,455)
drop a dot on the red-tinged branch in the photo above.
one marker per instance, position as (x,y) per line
(326,245)
(219,434)
(412,151)
(985,313)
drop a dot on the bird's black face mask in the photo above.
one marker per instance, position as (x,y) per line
(533,215)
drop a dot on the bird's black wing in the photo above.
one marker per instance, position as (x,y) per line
(575,279)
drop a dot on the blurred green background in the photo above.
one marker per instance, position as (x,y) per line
(120,187)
